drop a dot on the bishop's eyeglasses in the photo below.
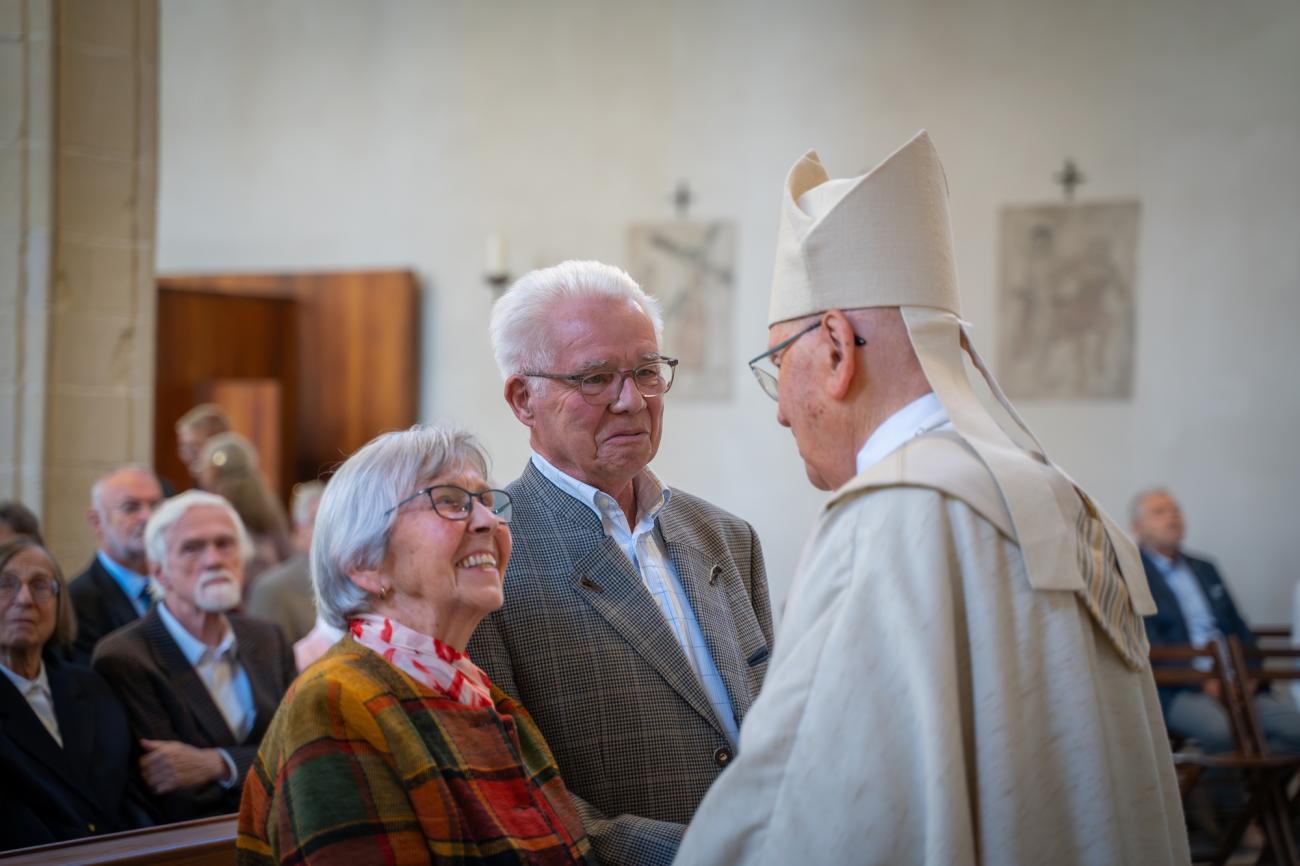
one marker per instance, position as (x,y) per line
(602,387)
(767,379)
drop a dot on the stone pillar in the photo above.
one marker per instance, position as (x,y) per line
(77,389)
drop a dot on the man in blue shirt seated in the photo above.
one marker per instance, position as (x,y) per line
(113,591)
(1193,607)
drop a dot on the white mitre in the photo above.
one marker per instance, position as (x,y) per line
(884,240)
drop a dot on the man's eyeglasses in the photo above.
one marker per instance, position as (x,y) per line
(767,380)
(456,503)
(601,387)
(40,589)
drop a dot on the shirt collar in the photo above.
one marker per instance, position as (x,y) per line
(651,494)
(24,685)
(1164,563)
(131,582)
(191,647)
(922,415)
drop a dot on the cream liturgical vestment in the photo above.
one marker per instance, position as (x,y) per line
(926,705)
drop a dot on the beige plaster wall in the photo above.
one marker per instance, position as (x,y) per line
(79,385)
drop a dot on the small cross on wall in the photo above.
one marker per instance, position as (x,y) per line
(1069,177)
(682,199)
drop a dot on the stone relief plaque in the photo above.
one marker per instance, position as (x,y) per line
(690,266)
(1066,319)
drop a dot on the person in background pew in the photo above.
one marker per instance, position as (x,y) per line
(199,685)
(394,747)
(193,430)
(283,595)
(17,521)
(1193,606)
(114,590)
(228,467)
(65,744)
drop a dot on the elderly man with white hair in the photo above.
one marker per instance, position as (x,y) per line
(961,675)
(199,684)
(636,623)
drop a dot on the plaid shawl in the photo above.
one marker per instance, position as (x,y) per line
(361,765)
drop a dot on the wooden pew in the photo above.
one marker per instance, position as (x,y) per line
(205,842)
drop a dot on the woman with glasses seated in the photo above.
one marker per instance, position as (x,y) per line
(65,745)
(393,745)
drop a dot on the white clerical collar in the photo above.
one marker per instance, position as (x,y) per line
(191,647)
(651,495)
(920,416)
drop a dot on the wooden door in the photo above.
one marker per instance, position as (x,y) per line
(356,364)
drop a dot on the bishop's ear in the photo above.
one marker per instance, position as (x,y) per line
(519,396)
(844,358)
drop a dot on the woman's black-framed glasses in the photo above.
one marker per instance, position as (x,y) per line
(601,387)
(767,380)
(456,503)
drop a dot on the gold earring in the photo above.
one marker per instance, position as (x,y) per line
(383,593)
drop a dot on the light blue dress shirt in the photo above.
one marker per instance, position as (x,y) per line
(227,682)
(1202,625)
(132,584)
(645,550)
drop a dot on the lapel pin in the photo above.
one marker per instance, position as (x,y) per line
(588,583)
(713,575)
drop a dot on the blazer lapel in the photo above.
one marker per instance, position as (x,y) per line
(19,722)
(702,577)
(186,681)
(120,609)
(600,573)
(251,655)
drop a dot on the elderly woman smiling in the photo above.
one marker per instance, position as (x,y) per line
(394,746)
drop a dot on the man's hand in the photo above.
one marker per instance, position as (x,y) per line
(169,765)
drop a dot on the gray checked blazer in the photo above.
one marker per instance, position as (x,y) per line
(165,699)
(581,642)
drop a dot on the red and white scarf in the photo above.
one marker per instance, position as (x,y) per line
(425,659)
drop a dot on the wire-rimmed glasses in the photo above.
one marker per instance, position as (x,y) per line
(601,387)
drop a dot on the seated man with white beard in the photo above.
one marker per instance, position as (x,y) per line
(199,685)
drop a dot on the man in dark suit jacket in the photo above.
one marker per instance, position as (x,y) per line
(113,590)
(82,789)
(636,626)
(1193,605)
(200,686)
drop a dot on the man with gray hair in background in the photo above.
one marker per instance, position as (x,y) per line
(636,622)
(961,675)
(114,589)
(199,684)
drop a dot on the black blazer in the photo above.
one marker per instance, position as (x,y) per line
(1167,625)
(82,789)
(101,607)
(166,700)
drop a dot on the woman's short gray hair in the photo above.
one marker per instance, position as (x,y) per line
(519,339)
(172,510)
(355,516)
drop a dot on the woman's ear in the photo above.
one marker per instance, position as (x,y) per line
(368,579)
(520,398)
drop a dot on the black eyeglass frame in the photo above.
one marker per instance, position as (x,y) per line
(575,380)
(500,509)
(766,380)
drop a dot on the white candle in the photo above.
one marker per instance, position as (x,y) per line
(495,254)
